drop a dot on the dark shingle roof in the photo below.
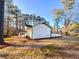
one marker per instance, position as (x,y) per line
(47,24)
(29,25)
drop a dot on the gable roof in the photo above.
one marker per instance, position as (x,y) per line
(45,23)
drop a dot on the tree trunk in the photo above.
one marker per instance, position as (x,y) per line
(65,26)
(8,24)
(57,24)
(2,21)
(16,23)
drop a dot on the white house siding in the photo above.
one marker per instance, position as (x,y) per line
(41,31)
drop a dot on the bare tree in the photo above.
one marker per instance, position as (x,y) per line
(57,14)
(67,6)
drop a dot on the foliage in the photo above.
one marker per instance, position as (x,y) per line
(16,12)
(73,26)
(57,14)
(67,4)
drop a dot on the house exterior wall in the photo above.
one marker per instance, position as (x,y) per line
(41,31)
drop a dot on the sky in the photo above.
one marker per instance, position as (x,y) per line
(41,8)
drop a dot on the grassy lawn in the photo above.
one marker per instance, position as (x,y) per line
(10,38)
(7,39)
(55,48)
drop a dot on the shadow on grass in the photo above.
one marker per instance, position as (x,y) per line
(5,45)
(43,51)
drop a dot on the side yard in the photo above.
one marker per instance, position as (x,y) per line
(54,48)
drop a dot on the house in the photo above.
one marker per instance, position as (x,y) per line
(77,31)
(39,30)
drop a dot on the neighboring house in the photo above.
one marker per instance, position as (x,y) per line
(28,29)
(77,31)
(37,31)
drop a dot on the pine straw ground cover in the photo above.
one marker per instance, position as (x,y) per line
(61,48)
(47,52)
